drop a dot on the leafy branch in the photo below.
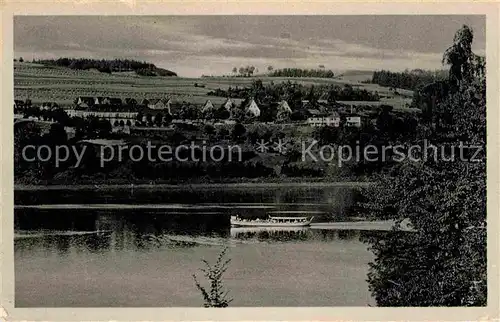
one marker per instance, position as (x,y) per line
(215,296)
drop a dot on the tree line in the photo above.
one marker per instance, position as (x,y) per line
(294,93)
(299,72)
(108,66)
(443,261)
(410,80)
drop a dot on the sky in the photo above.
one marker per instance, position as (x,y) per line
(213,45)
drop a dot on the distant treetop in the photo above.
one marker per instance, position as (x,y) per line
(297,72)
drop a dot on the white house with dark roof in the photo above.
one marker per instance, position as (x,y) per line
(283,111)
(318,119)
(253,109)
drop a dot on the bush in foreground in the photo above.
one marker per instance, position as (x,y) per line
(215,296)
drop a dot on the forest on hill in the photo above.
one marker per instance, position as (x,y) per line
(410,80)
(108,65)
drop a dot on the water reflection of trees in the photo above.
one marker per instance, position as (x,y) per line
(180,195)
(63,242)
(98,242)
(281,235)
(300,234)
(61,220)
(338,196)
(91,242)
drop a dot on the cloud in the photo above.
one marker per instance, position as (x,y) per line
(213,44)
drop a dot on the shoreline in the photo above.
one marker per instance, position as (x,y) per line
(376,224)
(242,185)
(367,225)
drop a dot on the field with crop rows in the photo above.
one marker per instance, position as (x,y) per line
(62,85)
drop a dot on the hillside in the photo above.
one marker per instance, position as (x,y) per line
(62,85)
(355,75)
(108,66)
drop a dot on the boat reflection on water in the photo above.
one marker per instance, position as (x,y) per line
(272,233)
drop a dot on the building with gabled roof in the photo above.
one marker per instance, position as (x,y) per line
(99,100)
(84,101)
(318,119)
(207,106)
(283,111)
(252,109)
(157,104)
(284,107)
(130,101)
(49,106)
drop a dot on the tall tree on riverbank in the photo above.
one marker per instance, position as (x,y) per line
(443,262)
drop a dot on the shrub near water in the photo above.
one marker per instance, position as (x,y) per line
(215,296)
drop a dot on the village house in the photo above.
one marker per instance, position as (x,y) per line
(49,106)
(283,111)
(159,104)
(121,118)
(101,101)
(19,104)
(208,106)
(318,119)
(175,106)
(131,102)
(252,109)
(353,121)
(84,102)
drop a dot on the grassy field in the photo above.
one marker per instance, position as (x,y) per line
(356,75)
(62,85)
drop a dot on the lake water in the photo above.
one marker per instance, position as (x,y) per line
(142,248)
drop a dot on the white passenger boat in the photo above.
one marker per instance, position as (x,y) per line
(272,221)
